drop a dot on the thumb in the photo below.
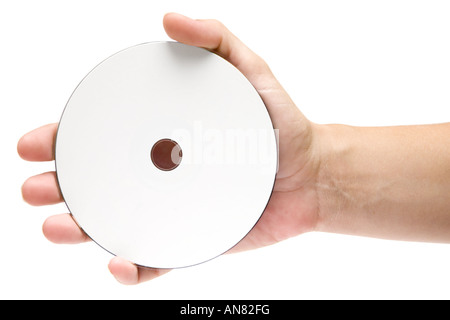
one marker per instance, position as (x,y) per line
(214,36)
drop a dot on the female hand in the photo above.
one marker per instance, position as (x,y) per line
(293,208)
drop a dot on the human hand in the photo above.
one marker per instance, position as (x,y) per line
(293,207)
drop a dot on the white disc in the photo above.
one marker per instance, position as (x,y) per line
(166,155)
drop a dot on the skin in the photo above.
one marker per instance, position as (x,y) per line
(388,182)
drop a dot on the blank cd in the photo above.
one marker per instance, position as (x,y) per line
(166,155)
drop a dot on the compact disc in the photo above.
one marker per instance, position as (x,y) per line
(166,155)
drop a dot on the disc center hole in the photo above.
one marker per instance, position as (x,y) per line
(166,154)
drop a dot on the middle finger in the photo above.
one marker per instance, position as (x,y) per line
(42,190)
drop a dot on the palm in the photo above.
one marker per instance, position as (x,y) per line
(292,208)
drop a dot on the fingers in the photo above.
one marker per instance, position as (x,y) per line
(42,190)
(38,144)
(128,273)
(62,229)
(214,36)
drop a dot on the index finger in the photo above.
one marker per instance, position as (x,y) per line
(38,145)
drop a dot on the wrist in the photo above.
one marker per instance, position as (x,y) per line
(384,182)
(336,186)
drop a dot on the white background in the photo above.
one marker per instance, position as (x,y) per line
(354,62)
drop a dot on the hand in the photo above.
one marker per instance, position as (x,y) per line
(293,207)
